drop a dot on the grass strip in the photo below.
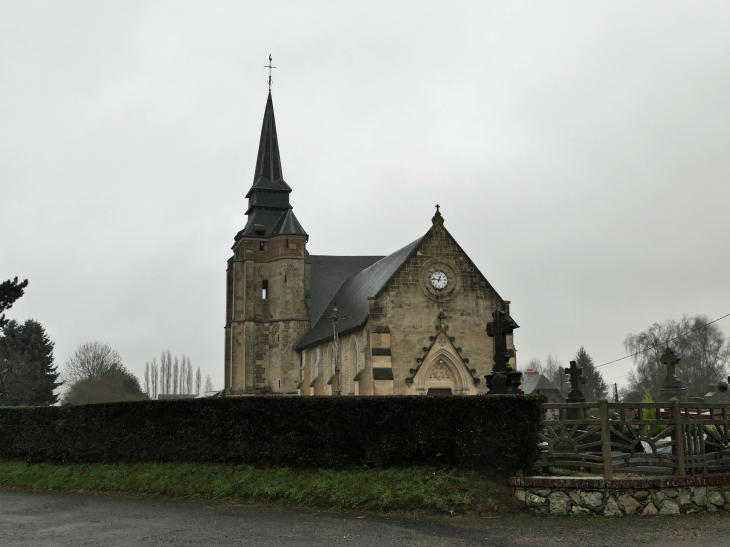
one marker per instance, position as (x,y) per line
(435,490)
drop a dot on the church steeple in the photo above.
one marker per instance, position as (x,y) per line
(269,212)
(268,163)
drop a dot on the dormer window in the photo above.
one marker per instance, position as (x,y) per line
(259,230)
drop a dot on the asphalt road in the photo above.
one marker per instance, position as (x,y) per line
(62,519)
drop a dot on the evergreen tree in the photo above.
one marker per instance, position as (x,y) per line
(595,387)
(10,291)
(26,354)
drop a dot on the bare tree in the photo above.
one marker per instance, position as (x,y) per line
(90,360)
(181,379)
(147,389)
(197,381)
(154,373)
(183,374)
(168,372)
(208,384)
(176,377)
(163,373)
(701,347)
(189,378)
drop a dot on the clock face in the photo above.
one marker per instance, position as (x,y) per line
(439,280)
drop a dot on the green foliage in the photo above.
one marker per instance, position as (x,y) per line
(108,387)
(10,291)
(650,414)
(26,357)
(497,432)
(433,489)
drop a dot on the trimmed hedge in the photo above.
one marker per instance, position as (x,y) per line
(495,432)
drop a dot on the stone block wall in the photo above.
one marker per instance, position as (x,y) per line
(614,498)
(411,311)
(260,332)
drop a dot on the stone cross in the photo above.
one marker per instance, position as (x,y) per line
(672,386)
(442,325)
(576,380)
(502,379)
(498,329)
(670,360)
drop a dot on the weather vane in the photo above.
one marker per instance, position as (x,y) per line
(270,67)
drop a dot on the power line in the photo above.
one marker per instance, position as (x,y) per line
(670,340)
(615,377)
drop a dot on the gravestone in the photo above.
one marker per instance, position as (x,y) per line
(503,379)
(576,381)
(672,386)
(576,395)
(720,395)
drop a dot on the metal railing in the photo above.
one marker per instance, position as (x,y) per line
(639,438)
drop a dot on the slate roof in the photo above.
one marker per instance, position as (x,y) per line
(275,222)
(327,273)
(538,383)
(352,296)
(268,197)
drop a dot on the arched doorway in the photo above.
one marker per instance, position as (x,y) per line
(441,374)
(440,380)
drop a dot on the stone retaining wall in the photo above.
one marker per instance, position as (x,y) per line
(613,498)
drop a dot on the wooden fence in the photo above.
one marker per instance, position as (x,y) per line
(638,438)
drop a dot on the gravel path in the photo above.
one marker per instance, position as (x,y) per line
(65,519)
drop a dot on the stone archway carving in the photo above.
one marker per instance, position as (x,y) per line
(442,369)
(442,366)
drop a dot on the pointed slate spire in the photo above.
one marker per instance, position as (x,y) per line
(268,162)
(269,212)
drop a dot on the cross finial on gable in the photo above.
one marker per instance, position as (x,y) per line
(442,322)
(437,218)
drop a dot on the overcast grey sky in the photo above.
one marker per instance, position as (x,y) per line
(580,152)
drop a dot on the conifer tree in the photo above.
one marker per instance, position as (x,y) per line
(595,387)
(26,356)
(10,291)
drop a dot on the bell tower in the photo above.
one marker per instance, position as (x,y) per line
(267,281)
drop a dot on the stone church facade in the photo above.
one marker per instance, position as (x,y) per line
(415,319)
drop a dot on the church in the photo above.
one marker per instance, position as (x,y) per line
(411,323)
